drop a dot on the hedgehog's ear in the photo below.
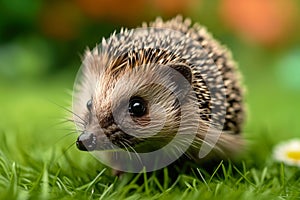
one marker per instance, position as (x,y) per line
(182,77)
(184,70)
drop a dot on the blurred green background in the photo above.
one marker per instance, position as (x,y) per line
(41,44)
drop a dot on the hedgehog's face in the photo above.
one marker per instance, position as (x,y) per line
(137,106)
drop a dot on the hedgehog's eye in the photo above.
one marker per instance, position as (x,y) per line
(89,104)
(137,107)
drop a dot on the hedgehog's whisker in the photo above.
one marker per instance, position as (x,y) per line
(76,115)
(135,152)
(75,121)
(68,110)
(65,151)
(126,150)
(66,135)
(70,129)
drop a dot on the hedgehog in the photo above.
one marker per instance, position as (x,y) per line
(148,96)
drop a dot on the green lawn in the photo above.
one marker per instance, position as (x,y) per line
(38,158)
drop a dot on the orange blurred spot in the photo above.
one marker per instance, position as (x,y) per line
(93,8)
(265,21)
(60,20)
(173,7)
(120,10)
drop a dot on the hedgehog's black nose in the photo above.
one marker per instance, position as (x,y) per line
(86,141)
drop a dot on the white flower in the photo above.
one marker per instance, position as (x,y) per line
(288,152)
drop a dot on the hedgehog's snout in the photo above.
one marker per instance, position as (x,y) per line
(86,141)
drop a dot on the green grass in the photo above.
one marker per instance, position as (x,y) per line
(38,158)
